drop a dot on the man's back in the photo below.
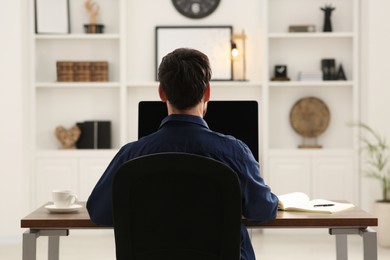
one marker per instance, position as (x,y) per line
(184,77)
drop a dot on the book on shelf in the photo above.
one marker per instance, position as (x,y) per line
(310,76)
(299,201)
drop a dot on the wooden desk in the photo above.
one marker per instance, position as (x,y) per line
(353,221)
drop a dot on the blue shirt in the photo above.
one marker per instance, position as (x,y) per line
(191,134)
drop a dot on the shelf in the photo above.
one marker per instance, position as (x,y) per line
(73,85)
(233,83)
(76,153)
(131,57)
(77,37)
(143,84)
(311,152)
(336,83)
(315,35)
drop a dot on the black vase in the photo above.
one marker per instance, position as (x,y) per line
(327,22)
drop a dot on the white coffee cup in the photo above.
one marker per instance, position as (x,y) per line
(64,198)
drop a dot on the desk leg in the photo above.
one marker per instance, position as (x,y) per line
(30,245)
(30,242)
(341,247)
(341,240)
(54,241)
(54,248)
(369,244)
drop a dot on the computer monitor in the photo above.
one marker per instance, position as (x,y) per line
(236,118)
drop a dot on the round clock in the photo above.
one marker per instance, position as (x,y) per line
(196,8)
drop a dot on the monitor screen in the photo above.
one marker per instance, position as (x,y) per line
(236,118)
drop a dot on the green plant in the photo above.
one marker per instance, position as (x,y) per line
(377,154)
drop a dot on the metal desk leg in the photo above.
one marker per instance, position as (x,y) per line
(54,248)
(341,247)
(30,245)
(341,240)
(369,244)
(30,242)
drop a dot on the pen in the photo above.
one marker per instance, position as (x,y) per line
(323,205)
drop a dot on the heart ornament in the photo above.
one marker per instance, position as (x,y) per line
(68,137)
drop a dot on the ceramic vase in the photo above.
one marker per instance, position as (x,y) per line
(382,212)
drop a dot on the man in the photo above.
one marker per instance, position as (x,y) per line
(184,77)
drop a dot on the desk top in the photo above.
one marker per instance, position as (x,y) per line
(350,218)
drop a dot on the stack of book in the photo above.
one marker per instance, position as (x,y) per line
(310,76)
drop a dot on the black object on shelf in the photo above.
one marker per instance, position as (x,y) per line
(280,73)
(328,67)
(327,14)
(94,135)
(341,74)
(94,28)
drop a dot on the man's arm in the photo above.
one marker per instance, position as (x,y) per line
(258,202)
(99,203)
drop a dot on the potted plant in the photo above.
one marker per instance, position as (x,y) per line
(376,153)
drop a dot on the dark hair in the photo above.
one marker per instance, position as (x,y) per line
(184,75)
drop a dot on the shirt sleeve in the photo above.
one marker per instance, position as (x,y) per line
(258,202)
(99,204)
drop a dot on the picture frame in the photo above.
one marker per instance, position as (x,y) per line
(52,17)
(214,41)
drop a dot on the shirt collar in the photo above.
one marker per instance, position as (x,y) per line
(184,118)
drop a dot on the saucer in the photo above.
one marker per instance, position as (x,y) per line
(53,209)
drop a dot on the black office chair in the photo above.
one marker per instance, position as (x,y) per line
(176,206)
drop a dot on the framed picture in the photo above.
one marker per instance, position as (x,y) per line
(214,41)
(52,16)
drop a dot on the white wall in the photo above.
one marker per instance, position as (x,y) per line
(13,188)
(375,77)
(14,150)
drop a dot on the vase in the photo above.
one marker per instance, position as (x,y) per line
(382,212)
(94,28)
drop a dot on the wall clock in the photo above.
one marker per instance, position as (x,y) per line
(196,8)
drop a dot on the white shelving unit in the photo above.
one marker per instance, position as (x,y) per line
(131,79)
(289,168)
(65,103)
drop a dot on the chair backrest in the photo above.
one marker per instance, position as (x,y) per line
(176,206)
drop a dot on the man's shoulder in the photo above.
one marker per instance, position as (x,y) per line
(226,137)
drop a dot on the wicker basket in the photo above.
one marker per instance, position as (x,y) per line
(82,71)
(99,71)
(65,71)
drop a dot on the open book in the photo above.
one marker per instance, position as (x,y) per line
(299,201)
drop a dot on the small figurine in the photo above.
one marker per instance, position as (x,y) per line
(68,137)
(93,10)
(328,9)
(341,74)
(280,73)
